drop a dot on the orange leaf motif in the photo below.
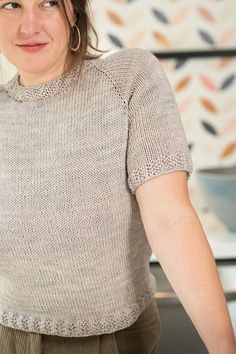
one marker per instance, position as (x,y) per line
(208,105)
(185,104)
(135,40)
(225,61)
(179,16)
(227,36)
(163,41)
(206,14)
(115,18)
(208,83)
(229,127)
(182,84)
(229,150)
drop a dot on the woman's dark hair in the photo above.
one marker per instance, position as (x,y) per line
(82,16)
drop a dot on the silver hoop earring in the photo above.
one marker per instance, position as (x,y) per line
(75,49)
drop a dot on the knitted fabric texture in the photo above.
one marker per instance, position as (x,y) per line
(74,256)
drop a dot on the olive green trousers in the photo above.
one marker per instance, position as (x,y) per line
(142,337)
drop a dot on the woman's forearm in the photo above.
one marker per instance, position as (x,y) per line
(187,260)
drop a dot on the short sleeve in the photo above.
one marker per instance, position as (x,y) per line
(157,142)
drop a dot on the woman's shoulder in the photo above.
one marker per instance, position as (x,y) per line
(126,58)
(126,53)
(127,67)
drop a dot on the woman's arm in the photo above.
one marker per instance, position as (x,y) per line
(187,260)
(178,241)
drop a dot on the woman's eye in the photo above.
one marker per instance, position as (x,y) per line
(54,2)
(10,3)
(14,3)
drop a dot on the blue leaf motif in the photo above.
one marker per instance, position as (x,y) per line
(115,41)
(160,16)
(206,37)
(180,62)
(190,146)
(209,128)
(227,82)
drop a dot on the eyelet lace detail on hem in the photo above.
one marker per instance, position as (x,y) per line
(64,328)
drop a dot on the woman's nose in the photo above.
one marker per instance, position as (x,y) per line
(29,22)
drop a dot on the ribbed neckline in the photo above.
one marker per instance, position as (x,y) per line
(50,88)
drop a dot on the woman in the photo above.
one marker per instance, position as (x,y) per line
(82,139)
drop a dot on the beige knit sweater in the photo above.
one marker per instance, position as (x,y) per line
(74,256)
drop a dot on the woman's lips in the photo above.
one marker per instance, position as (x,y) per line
(32,48)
